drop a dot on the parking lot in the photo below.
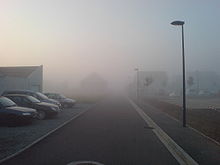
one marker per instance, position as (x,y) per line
(13,139)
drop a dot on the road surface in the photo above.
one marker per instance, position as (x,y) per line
(111,133)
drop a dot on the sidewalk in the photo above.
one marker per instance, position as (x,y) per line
(200,148)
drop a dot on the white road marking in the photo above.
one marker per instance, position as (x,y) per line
(85,163)
(179,154)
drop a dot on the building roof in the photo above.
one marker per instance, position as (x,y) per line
(20,71)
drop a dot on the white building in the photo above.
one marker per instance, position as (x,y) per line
(22,77)
(204,80)
(200,81)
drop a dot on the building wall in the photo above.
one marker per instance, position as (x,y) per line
(33,82)
(209,81)
(8,83)
(202,81)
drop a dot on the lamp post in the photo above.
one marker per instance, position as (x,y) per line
(181,23)
(137,70)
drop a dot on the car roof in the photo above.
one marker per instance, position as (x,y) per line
(21,95)
(52,93)
(19,90)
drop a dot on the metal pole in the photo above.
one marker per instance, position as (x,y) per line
(184,81)
(137,85)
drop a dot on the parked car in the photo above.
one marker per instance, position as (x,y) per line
(11,113)
(37,95)
(64,101)
(44,109)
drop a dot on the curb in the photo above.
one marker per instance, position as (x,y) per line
(182,157)
(43,137)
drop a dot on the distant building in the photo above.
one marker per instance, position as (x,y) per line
(152,83)
(94,85)
(200,81)
(22,77)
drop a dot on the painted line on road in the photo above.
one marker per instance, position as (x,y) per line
(179,154)
(42,137)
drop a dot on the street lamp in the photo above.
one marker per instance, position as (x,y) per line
(181,23)
(137,70)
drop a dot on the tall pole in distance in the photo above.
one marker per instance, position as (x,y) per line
(137,92)
(181,23)
(184,80)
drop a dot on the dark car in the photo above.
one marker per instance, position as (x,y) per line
(64,101)
(13,114)
(37,95)
(44,109)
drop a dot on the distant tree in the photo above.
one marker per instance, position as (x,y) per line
(214,84)
(148,81)
(164,83)
(190,81)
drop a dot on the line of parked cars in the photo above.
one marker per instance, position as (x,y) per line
(22,106)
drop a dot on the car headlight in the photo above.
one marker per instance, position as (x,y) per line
(26,114)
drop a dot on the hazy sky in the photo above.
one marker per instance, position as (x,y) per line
(73,38)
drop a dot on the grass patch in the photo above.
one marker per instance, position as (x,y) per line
(206,121)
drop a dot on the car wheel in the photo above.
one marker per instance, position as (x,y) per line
(71,105)
(12,120)
(65,106)
(41,115)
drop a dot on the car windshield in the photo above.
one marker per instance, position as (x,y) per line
(42,95)
(33,99)
(5,102)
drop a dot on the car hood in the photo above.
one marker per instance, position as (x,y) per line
(69,100)
(51,101)
(21,109)
(47,104)
(54,101)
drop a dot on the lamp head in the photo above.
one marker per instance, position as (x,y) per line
(177,23)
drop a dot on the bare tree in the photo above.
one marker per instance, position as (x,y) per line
(148,81)
(190,81)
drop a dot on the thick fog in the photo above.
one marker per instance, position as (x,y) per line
(109,38)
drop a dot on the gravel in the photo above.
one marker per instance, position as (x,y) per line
(194,103)
(13,139)
(204,120)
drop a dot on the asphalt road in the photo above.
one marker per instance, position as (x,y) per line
(111,133)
